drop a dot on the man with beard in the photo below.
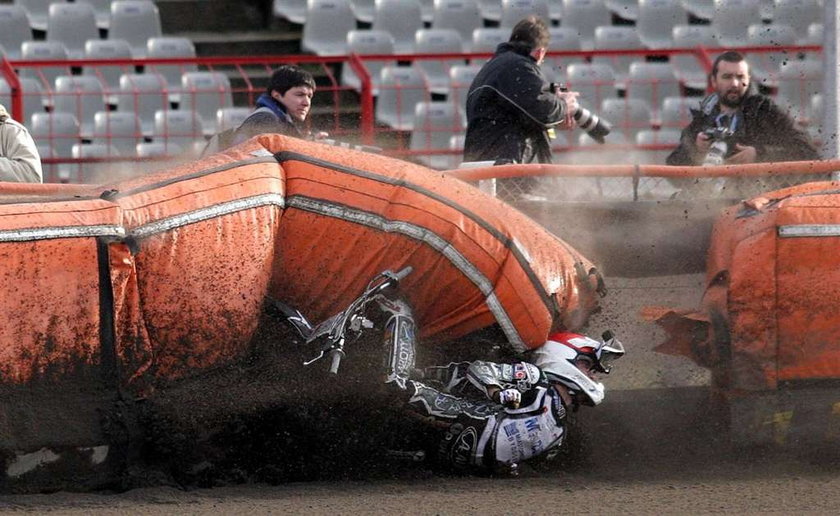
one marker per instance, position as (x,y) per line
(761,130)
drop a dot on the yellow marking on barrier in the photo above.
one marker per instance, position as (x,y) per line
(781,425)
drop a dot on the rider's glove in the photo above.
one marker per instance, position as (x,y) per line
(510,398)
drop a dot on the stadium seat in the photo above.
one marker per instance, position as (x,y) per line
(703,9)
(798,82)
(595,82)
(456,143)
(231,117)
(102,10)
(402,18)
(108,75)
(206,93)
(366,42)
(562,39)
(463,16)
(118,128)
(363,10)
(292,10)
(669,137)
(676,112)
(135,21)
(629,116)
(627,9)
(14,29)
(58,130)
(427,10)
(72,24)
(80,95)
(814,35)
(656,20)
(142,94)
(490,9)
(766,10)
(171,47)
(32,96)
(326,27)
(437,41)
(92,172)
(156,149)
(37,11)
(617,38)
(460,79)
(434,124)
(585,15)
(815,127)
(652,82)
(50,170)
(515,10)
(401,88)
(731,18)
(764,66)
(44,51)
(486,39)
(182,127)
(688,69)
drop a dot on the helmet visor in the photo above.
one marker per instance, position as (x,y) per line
(609,351)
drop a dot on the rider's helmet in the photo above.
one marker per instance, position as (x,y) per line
(570,358)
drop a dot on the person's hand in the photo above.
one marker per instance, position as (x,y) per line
(743,154)
(569,98)
(702,142)
(510,398)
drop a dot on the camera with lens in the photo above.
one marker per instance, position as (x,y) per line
(596,127)
(719,137)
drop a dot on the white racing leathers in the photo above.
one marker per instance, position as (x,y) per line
(477,432)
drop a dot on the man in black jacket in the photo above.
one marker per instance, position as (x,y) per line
(761,130)
(511,107)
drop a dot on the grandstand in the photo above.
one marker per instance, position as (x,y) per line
(133,81)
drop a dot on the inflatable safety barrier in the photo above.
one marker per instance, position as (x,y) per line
(164,276)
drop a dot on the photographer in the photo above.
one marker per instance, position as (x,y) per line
(511,106)
(750,127)
(19,158)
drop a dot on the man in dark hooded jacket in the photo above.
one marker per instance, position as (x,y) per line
(511,106)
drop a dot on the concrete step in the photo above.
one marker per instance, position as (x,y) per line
(243,43)
(216,15)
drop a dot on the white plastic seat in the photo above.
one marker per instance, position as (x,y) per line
(799,81)
(326,27)
(171,47)
(731,18)
(652,82)
(629,116)
(365,42)
(515,10)
(81,96)
(108,75)
(562,39)
(143,95)
(118,128)
(703,9)
(463,16)
(676,112)
(58,130)
(363,10)
(437,41)
(688,69)
(44,51)
(434,124)
(32,96)
(617,38)
(49,170)
(585,15)
(402,18)
(486,39)
(456,143)
(292,10)
(181,127)
(490,9)
(460,79)
(764,66)
(205,93)
(814,35)
(102,11)
(14,29)
(799,14)
(627,9)
(401,88)
(663,137)
(92,172)
(427,10)
(156,149)
(37,11)
(72,24)
(656,20)
(134,21)
(595,82)
(231,117)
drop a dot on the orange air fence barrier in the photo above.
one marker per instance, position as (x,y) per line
(164,276)
(769,313)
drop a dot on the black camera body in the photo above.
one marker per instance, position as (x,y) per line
(596,127)
(721,139)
